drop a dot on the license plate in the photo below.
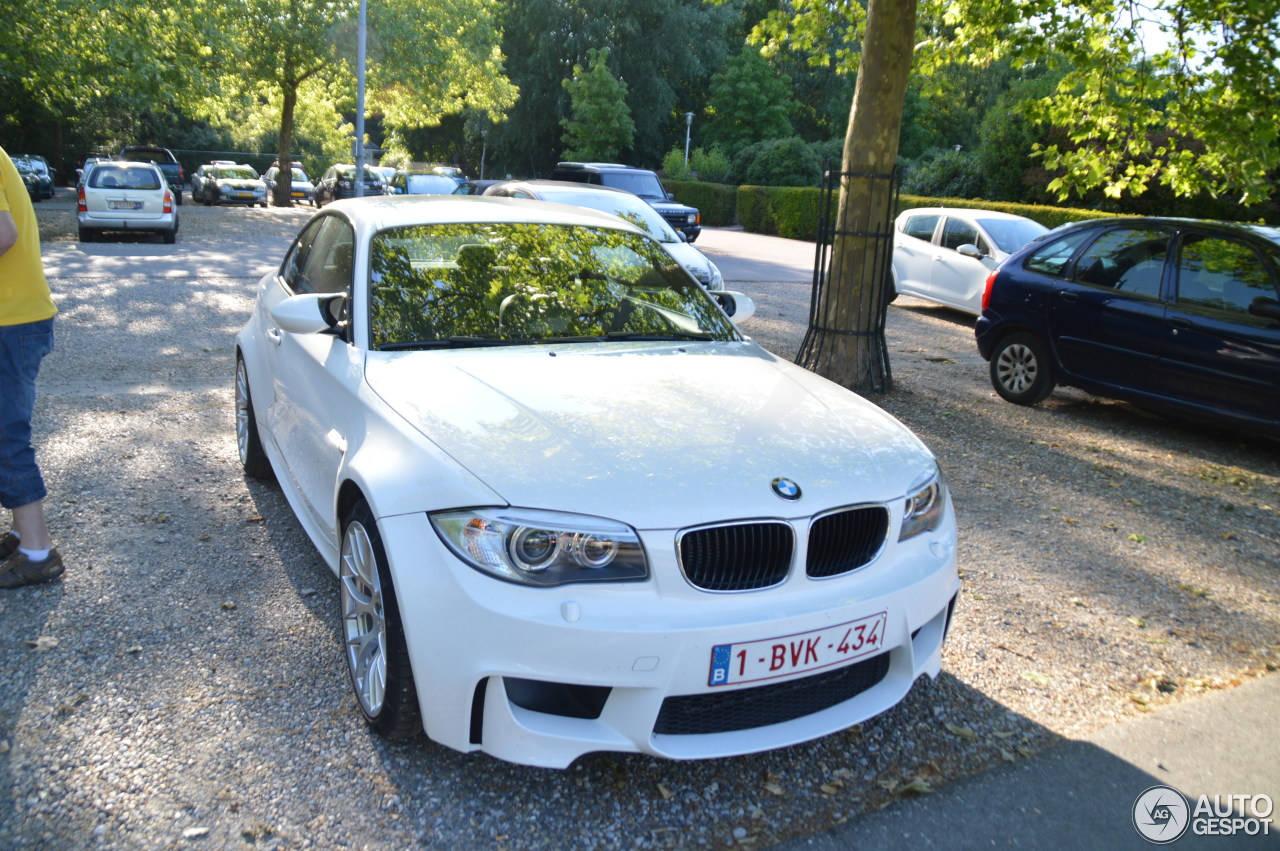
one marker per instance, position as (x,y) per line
(124,205)
(297,195)
(244,194)
(770,658)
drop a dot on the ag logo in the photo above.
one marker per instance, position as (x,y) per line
(1161,814)
(786,489)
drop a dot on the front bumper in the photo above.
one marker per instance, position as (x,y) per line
(541,676)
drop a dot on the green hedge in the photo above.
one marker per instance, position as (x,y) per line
(793,212)
(717,202)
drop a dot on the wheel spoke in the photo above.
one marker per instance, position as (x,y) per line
(363,623)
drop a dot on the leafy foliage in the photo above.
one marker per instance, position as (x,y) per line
(750,102)
(599,127)
(778,162)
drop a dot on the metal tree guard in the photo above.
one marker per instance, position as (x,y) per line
(860,225)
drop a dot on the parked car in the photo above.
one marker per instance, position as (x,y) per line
(43,175)
(637,181)
(476,187)
(385,173)
(117,195)
(339,181)
(230,183)
(406,183)
(1173,314)
(570,507)
(162,157)
(624,205)
(85,161)
(945,254)
(36,184)
(301,187)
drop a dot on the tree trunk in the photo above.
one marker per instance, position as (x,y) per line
(845,342)
(284,177)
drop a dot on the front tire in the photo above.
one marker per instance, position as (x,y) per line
(252,457)
(1020,369)
(373,637)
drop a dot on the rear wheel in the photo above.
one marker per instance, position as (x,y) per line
(169,236)
(1020,369)
(377,655)
(252,457)
(86,235)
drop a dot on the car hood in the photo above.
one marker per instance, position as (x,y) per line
(657,435)
(242,184)
(669,206)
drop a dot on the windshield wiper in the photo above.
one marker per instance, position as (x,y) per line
(460,342)
(658,335)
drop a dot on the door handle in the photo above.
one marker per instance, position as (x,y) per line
(275,335)
(1184,324)
(1068,297)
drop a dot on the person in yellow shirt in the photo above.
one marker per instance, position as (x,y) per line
(27,554)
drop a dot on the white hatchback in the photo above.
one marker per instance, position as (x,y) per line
(944,254)
(570,507)
(115,195)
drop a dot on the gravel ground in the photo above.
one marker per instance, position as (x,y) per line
(183,687)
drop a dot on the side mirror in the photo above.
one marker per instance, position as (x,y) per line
(671,196)
(309,313)
(970,250)
(739,306)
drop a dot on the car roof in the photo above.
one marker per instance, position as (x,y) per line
(378,212)
(552,187)
(972,212)
(1267,232)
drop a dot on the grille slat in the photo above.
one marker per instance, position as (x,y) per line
(746,709)
(737,558)
(846,540)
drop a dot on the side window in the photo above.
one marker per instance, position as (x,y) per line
(296,259)
(1127,260)
(1222,274)
(1054,257)
(921,227)
(956,233)
(329,263)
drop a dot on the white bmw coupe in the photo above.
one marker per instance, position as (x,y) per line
(571,508)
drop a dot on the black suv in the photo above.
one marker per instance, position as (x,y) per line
(637,181)
(162,157)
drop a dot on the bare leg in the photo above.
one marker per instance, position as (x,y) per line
(28,522)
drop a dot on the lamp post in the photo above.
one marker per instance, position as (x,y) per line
(688,125)
(484,149)
(360,41)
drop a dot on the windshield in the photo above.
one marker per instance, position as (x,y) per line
(627,207)
(429,184)
(238,173)
(494,284)
(1011,234)
(298,176)
(643,183)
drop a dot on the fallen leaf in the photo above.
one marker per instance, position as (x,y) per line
(43,643)
(666,793)
(962,732)
(228,606)
(195,832)
(918,786)
(1037,677)
(1138,538)
(1138,622)
(775,789)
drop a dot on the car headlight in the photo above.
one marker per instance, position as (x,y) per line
(543,548)
(925,506)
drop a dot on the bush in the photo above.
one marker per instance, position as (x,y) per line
(778,162)
(952,174)
(717,202)
(674,166)
(712,166)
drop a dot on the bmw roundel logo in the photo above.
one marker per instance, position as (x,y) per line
(786,488)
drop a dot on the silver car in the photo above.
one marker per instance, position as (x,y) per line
(125,196)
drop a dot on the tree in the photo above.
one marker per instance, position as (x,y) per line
(847,343)
(272,49)
(750,102)
(665,49)
(599,126)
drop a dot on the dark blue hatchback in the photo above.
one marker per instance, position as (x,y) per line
(1172,314)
